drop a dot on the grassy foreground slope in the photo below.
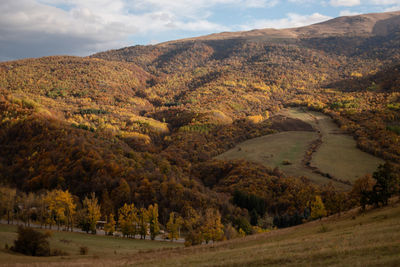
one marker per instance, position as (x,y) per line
(353,239)
(99,247)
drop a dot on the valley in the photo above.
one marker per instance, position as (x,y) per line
(221,136)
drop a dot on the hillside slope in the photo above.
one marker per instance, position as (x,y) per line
(153,117)
(370,239)
(351,239)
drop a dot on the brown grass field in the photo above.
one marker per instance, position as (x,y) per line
(99,247)
(352,239)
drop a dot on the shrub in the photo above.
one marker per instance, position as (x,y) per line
(31,242)
(83,250)
(58,252)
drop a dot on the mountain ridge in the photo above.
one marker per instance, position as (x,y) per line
(366,24)
(151,118)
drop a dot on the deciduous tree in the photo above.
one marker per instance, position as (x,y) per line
(317,208)
(7,201)
(91,214)
(154,225)
(128,220)
(109,227)
(173,226)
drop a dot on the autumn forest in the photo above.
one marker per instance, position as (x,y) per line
(132,136)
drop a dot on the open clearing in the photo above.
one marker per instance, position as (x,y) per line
(337,156)
(272,150)
(103,247)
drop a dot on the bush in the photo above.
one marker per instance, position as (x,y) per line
(83,250)
(31,242)
(58,252)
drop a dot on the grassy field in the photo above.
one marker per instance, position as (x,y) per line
(273,150)
(338,154)
(353,239)
(100,247)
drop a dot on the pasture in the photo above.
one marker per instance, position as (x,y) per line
(284,150)
(337,156)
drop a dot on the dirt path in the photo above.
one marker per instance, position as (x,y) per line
(313,148)
(334,153)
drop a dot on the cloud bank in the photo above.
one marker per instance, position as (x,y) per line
(32,28)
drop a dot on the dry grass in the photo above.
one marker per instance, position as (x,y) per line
(353,239)
(99,247)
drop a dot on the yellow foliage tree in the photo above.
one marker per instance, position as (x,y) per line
(173,226)
(128,220)
(62,207)
(7,201)
(317,208)
(153,221)
(91,213)
(143,219)
(212,228)
(109,227)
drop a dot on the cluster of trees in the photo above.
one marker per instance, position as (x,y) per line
(61,208)
(378,189)
(133,221)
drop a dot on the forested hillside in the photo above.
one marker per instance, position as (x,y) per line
(153,117)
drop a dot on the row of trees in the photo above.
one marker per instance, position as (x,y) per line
(61,208)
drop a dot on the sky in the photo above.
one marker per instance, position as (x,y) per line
(36,28)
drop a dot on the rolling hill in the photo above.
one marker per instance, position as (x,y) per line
(154,117)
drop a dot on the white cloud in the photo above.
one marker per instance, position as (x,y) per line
(393,8)
(43,27)
(345,2)
(385,2)
(292,20)
(348,13)
(80,27)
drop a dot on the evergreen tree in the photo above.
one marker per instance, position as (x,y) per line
(387,183)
